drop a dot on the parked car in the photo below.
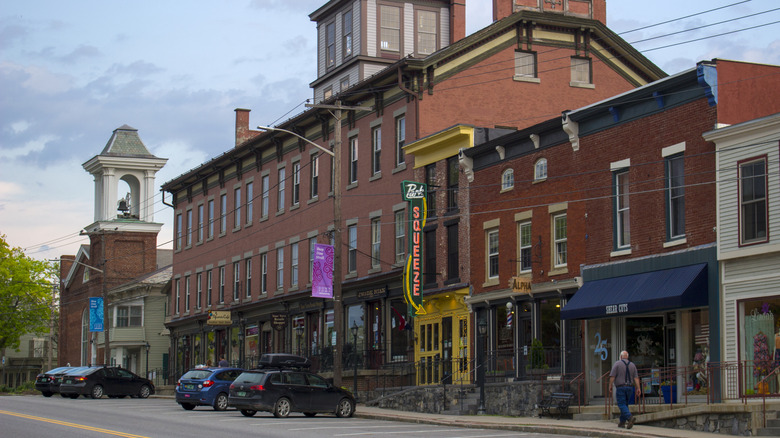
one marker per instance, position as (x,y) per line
(49,382)
(105,380)
(206,386)
(282,386)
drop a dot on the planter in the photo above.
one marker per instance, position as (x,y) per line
(669,393)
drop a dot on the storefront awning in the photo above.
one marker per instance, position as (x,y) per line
(640,293)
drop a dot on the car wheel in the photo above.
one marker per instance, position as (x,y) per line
(248,412)
(221,402)
(63,395)
(187,406)
(47,394)
(345,408)
(73,396)
(282,407)
(309,414)
(145,391)
(97,391)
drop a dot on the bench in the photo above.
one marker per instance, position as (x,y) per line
(558,400)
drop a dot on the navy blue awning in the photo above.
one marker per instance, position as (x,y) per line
(668,289)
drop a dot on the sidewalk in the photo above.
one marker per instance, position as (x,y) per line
(531,424)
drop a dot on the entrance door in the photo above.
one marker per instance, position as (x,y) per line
(429,371)
(525,336)
(446,348)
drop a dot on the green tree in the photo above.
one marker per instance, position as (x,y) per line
(26,295)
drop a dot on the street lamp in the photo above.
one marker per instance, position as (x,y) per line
(147,360)
(298,333)
(355,353)
(482,328)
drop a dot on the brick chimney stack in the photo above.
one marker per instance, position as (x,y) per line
(595,9)
(242,126)
(458,20)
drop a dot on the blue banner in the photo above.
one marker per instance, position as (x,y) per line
(96,314)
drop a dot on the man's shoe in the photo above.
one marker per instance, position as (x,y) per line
(622,425)
(630,423)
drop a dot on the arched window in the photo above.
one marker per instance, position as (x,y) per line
(85,347)
(540,169)
(507,179)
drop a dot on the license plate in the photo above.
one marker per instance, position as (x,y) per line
(241,393)
(189,386)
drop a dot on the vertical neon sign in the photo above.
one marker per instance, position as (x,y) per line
(414,193)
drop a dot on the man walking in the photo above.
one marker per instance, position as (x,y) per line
(624,375)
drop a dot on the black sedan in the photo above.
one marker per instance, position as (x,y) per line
(112,381)
(281,391)
(49,382)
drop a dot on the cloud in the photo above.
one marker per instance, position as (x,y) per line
(31,147)
(81,53)
(34,78)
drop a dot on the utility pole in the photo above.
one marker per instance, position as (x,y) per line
(106,322)
(338,306)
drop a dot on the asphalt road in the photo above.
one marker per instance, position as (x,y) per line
(37,416)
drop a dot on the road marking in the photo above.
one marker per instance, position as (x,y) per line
(77,426)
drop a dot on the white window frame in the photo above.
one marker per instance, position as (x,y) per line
(523,231)
(492,254)
(250,189)
(198,290)
(222,213)
(763,235)
(508,179)
(353,159)
(201,222)
(540,169)
(352,251)
(315,177)
(236,280)
(237,207)
(560,241)
(622,209)
(400,140)
(248,269)
(296,189)
(265,182)
(376,241)
(294,253)
(280,268)
(282,174)
(264,273)
(427,36)
(400,236)
(376,149)
(389,31)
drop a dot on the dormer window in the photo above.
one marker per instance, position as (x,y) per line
(347,26)
(540,169)
(330,41)
(390,28)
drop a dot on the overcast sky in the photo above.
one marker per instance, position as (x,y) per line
(72,72)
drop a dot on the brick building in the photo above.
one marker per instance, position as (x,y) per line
(609,212)
(246,221)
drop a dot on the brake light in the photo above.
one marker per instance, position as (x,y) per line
(51,378)
(207,383)
(257,388)
(81,379)
(178,383)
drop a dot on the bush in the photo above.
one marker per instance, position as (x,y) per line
(537,355)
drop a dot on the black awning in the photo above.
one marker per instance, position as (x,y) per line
(640,293)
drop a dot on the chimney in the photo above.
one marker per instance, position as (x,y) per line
(242,126)
(457,20)
(502,9)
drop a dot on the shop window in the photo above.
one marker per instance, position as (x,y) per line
(550,330)
(401,328)
(761,323)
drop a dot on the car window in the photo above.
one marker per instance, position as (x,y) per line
(315,380)
(276,378)
(81,372)
(294,379)
(196,374)
(229,375)
(124,373)
(250,378)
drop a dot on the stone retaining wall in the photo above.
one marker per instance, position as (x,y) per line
(738,424)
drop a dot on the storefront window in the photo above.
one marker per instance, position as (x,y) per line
(760,341)
(210,349)
(598,356)
(700,327)
(298,335)
(645,341)
(399,333)
(196,348)
(550,333)
(234,353)
(504,357)
(251,341)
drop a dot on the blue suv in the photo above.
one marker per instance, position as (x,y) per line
(207,386)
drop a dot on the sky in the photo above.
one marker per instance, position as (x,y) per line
(73,72)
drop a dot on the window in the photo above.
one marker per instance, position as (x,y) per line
(453,263)
(177,305)
(559,236)
(248,268)
(330,43)
(129,316)
(390,28)
(279,268)
(452,183)
(187,294)
(264,273)
(296,190)
(264,203)
(426,32)
(540,169)
(188,238)
(352,253)
(237,207)
(178,231)
(222,213)
(250,195)
(208,289)
(376,240)
(347,31)
(211,219)
(315,176)
(400,236)
(236,280)
(312,242)
(429,257)
(353,159)
(201,220)
(294,264)
(580,70)
(327,93)
(376,148)
(492,253)
(753,201)
(400,140)
(344,84)
(221,285)
(430,196)
(198,290)
(507,179)
(524,234)
(622,219)
(280,200)
(525,64)
(675,184)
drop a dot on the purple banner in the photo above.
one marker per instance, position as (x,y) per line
(322,271)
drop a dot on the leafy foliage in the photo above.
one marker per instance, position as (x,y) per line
(537,355)
(26,295)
